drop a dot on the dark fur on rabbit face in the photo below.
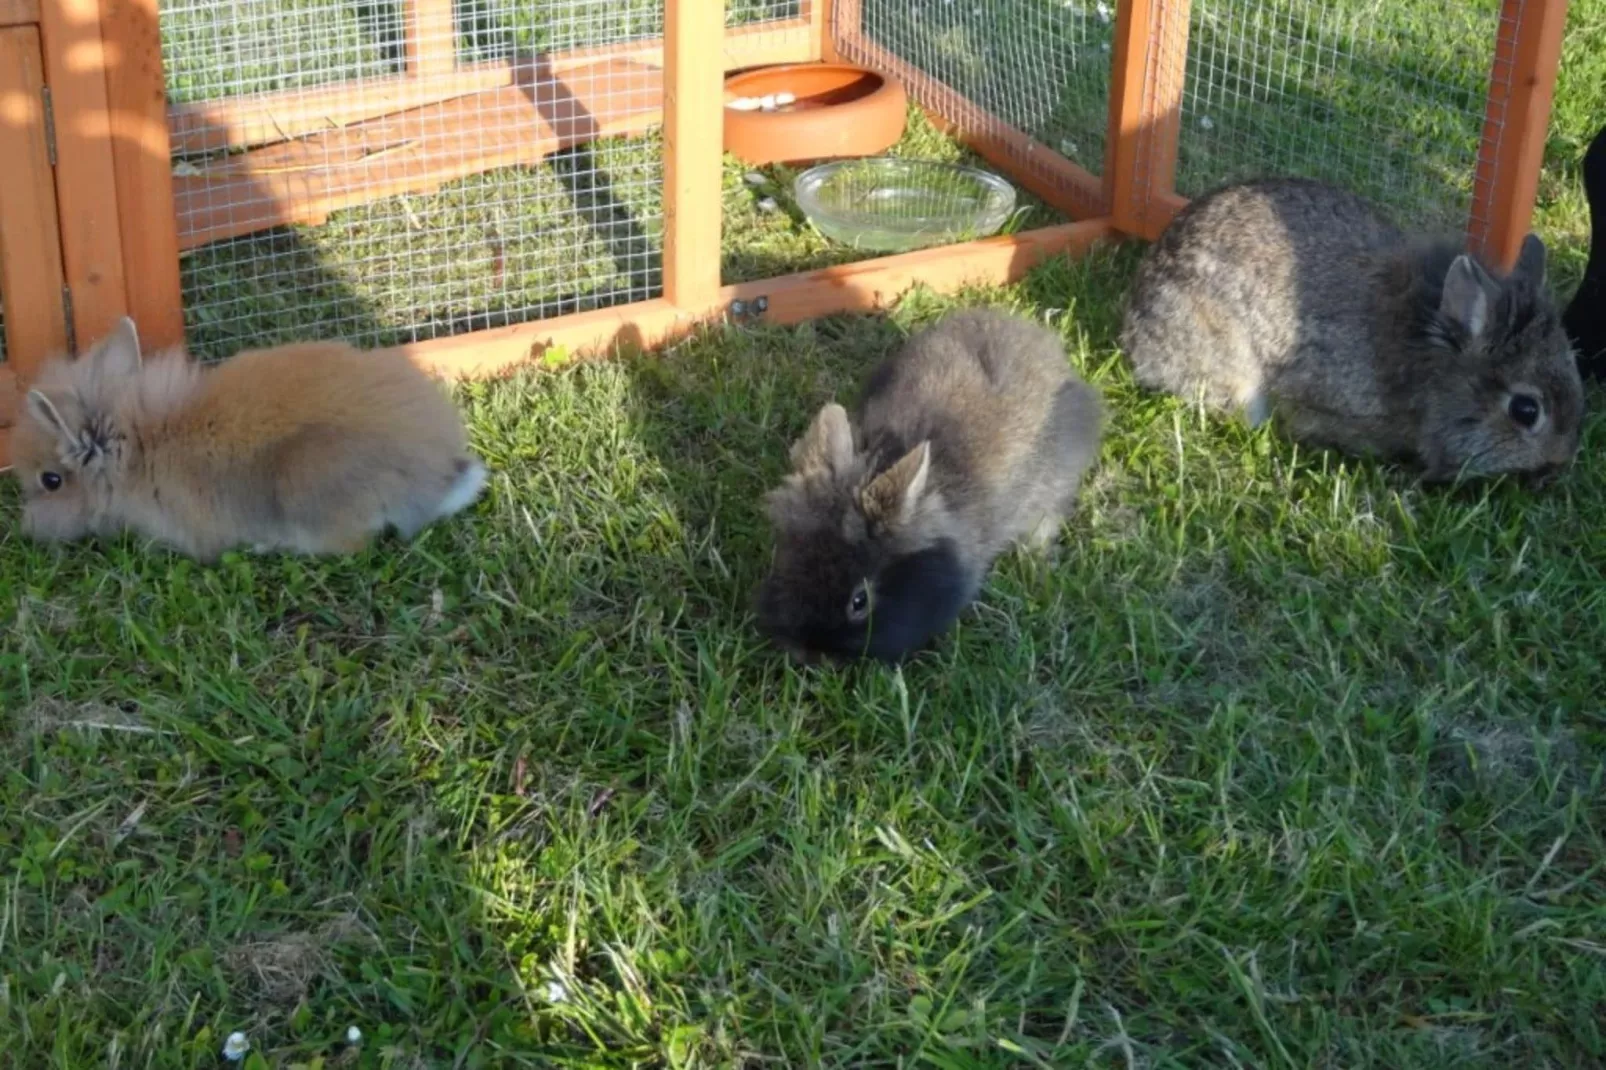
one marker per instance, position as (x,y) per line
(1294,298)
(868,559)
(1495,372)
(972,437)
(70,448)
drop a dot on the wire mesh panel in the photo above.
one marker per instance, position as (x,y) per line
(1386,99)
(749,12)
(511,25)
(764,28)
(1038,67)
(403,170)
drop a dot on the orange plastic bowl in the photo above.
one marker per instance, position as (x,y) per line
(832,110)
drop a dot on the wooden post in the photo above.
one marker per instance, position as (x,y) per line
(694,114)
(86,186)
(30,247)
(1516,122)
(136,94)
(431,37)
(821,16)
(1146,78)
(842,22)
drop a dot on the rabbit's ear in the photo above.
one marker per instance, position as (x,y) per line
(827,444)
(1531,260)
(83,438)
(1467,288)
(118,353)
(893,497)
(43,410)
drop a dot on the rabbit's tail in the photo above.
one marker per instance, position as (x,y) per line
(465,488)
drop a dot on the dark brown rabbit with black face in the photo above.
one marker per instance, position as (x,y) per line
(1296,299)
(975,435)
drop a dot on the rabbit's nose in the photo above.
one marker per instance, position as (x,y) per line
(1546,473)
(799,653)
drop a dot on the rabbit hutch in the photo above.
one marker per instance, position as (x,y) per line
(478,180)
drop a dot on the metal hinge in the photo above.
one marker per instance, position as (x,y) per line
(66,307)
(50,125)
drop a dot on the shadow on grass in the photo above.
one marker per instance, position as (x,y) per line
(1282,761)
(530,792)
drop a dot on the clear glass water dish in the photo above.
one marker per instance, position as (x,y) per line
(889,205)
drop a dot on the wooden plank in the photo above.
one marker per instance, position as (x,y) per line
(263,118)
(872,285)
(1123,143)
(1516,123)
(694,110)
(10,412)
(86,181)
(867,286)
(31,273)
(1148,65)
(141,158)
(820,14)
(19,12)
(413,151)
(1163,208)
(431,37)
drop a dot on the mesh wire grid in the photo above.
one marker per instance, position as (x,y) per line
(1039,66)
(1385,99)
(448,218)
(764,24)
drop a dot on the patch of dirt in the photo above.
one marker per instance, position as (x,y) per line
(281,969)
(58,715)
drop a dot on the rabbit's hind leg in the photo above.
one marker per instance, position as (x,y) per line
(1043,538)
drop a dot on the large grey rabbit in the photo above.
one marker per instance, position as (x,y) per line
(971,437)
(1294,298)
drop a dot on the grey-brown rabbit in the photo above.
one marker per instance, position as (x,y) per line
(973,436)
(1294,298)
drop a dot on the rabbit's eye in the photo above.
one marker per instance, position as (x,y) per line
(50,480)
(1524,409)
(859,604)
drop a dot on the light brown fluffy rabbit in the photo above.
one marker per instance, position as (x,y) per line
(312,448)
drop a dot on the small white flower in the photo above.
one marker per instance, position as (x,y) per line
(1103,10)
(235,1047)
(353,1035)
(1205,123)
(556,993)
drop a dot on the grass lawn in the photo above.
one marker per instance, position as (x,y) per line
(1284,762)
